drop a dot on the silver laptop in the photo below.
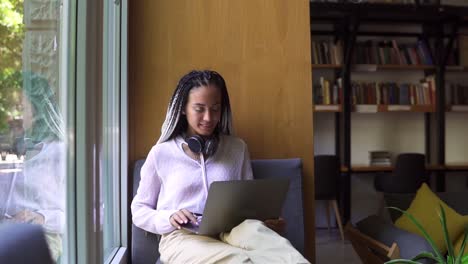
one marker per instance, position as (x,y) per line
(229,203)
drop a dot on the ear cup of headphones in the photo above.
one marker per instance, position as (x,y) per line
(195,143)
(198,144)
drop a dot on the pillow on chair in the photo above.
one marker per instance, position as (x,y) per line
(426,208)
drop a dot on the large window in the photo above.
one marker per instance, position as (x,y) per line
(61,138)
(33,138)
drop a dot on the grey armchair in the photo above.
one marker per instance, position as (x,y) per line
(23,244)
(145,245)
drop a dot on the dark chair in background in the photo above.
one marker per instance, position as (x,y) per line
(407,177)
(326,174)
(23,244)
(145,244)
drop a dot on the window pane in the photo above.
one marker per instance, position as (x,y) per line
(32,131)
(110,161)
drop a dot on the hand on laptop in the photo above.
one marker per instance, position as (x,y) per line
(28,216)
(277,225)
(181,217)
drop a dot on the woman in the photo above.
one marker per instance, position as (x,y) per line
(195,149)
(37,193)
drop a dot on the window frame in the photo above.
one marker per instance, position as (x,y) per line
(86,81)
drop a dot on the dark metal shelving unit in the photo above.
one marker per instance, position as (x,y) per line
(347,18)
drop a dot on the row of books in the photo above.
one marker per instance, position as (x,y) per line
(327,52)
(392,93)
(457,94)
(391,52)
(374,52)
(328,92)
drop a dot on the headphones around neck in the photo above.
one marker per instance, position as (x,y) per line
(198,144)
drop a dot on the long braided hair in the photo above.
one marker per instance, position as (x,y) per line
(48,123)
(176,123)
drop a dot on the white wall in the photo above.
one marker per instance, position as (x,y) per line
(394,132)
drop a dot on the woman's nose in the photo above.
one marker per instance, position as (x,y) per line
(207,116)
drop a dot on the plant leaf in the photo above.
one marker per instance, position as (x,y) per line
(423,255)
(439,256)
(460,256)
(402,261)
(448,242)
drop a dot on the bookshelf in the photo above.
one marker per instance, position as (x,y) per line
(368,53)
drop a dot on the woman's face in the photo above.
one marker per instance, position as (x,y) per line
(203,110)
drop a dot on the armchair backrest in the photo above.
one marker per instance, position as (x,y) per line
(22,243)
(144,244)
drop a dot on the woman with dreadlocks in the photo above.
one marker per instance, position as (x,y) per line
(37,193)
(196,148)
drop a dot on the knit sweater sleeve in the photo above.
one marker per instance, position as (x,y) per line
(144,213)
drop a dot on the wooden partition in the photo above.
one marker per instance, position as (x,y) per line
(261,47)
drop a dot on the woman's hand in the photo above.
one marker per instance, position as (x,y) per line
(28,216)
(181,217)
(277,225)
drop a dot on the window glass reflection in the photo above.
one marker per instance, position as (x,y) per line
(32,138)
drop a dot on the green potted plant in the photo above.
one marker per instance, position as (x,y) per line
(437,256)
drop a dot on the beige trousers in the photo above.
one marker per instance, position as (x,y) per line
(55,245)
(249,242)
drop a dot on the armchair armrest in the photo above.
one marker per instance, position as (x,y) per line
(369,249)
(386,232)
(144,246)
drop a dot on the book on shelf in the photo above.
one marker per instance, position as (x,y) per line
(327,92)
(378,163)
(457,94)
(380,158)
(390,52)
(392,93)
(327,52)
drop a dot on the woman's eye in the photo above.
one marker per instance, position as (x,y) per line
(216,109)
(199,109)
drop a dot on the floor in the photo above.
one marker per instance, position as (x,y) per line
(330,249)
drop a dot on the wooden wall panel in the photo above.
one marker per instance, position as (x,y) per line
(261,47)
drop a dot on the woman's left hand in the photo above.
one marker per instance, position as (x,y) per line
(277,225)
(27,216)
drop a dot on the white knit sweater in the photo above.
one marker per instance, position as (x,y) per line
(39,187)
